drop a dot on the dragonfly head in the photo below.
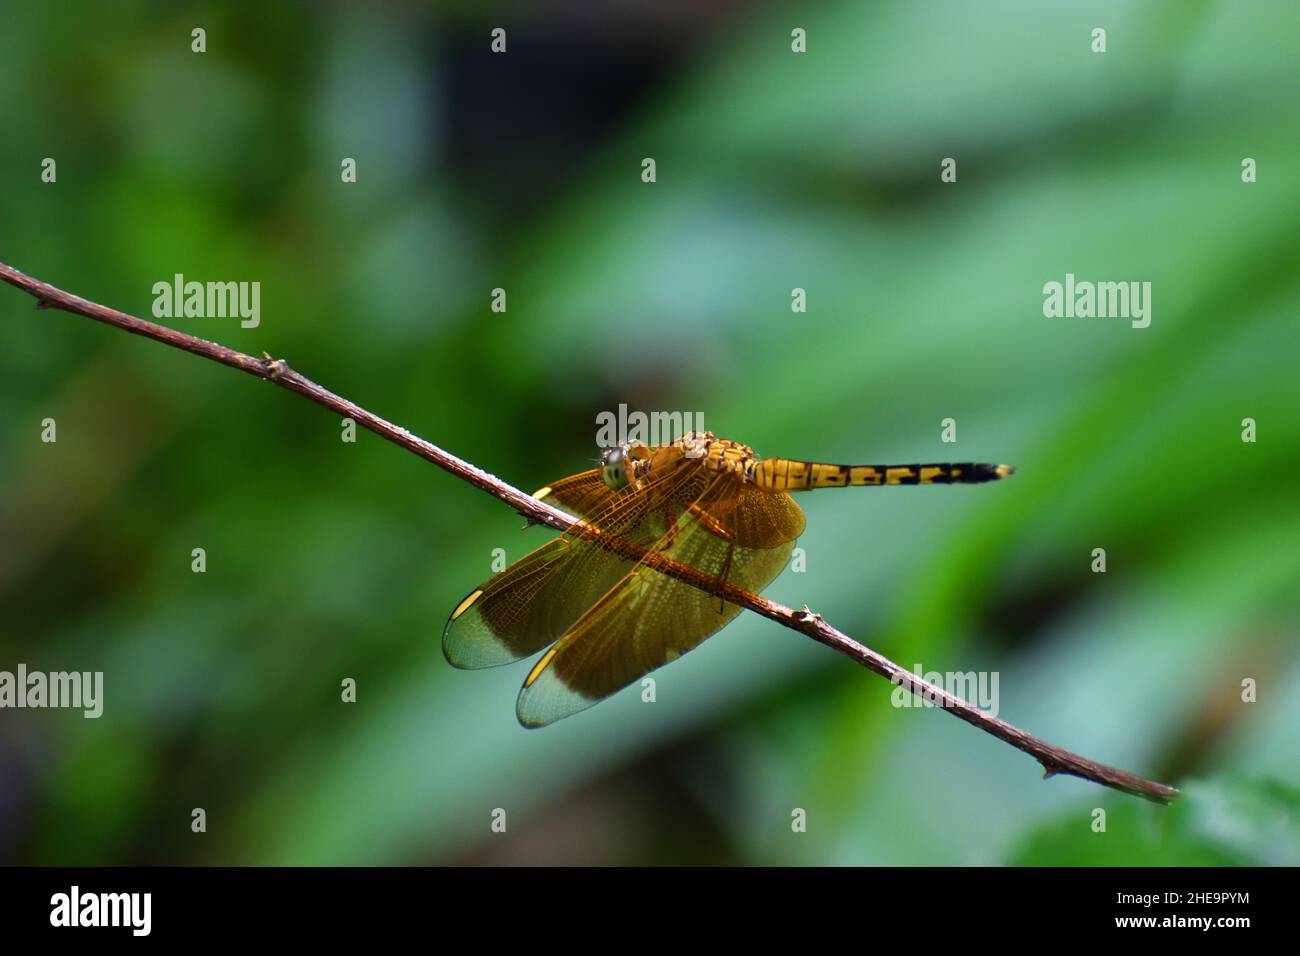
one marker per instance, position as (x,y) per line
(614,466)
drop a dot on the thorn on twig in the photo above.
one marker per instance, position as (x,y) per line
(41,304)
(274,367)
(1049,773)
(809,616)
(530,521)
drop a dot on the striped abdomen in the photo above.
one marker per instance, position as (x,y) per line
(784,474)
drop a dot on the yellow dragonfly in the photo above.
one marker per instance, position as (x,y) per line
(606,620)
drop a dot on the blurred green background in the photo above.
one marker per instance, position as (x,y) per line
(775,170)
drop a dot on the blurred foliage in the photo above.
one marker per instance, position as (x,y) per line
(1227,823)
(328,560)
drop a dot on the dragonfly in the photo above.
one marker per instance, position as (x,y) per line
(605,619)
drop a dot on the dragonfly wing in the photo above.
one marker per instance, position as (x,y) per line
(752,517)
(583,495)
(526,607)
(535,600)
(647,620)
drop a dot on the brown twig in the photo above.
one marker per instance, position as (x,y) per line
(1054,760)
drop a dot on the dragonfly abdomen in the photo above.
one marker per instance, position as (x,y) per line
(785,474)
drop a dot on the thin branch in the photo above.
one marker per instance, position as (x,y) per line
(1054,760)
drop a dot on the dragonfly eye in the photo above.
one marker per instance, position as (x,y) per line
(613,464)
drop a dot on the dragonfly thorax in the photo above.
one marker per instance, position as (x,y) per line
(717,454)
(630,463)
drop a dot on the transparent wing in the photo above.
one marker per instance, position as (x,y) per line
(584,494)
(732,532)
(514,614)
(532,602)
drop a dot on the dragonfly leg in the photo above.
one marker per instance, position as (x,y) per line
(673,525)
(722,575)
(715,528)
